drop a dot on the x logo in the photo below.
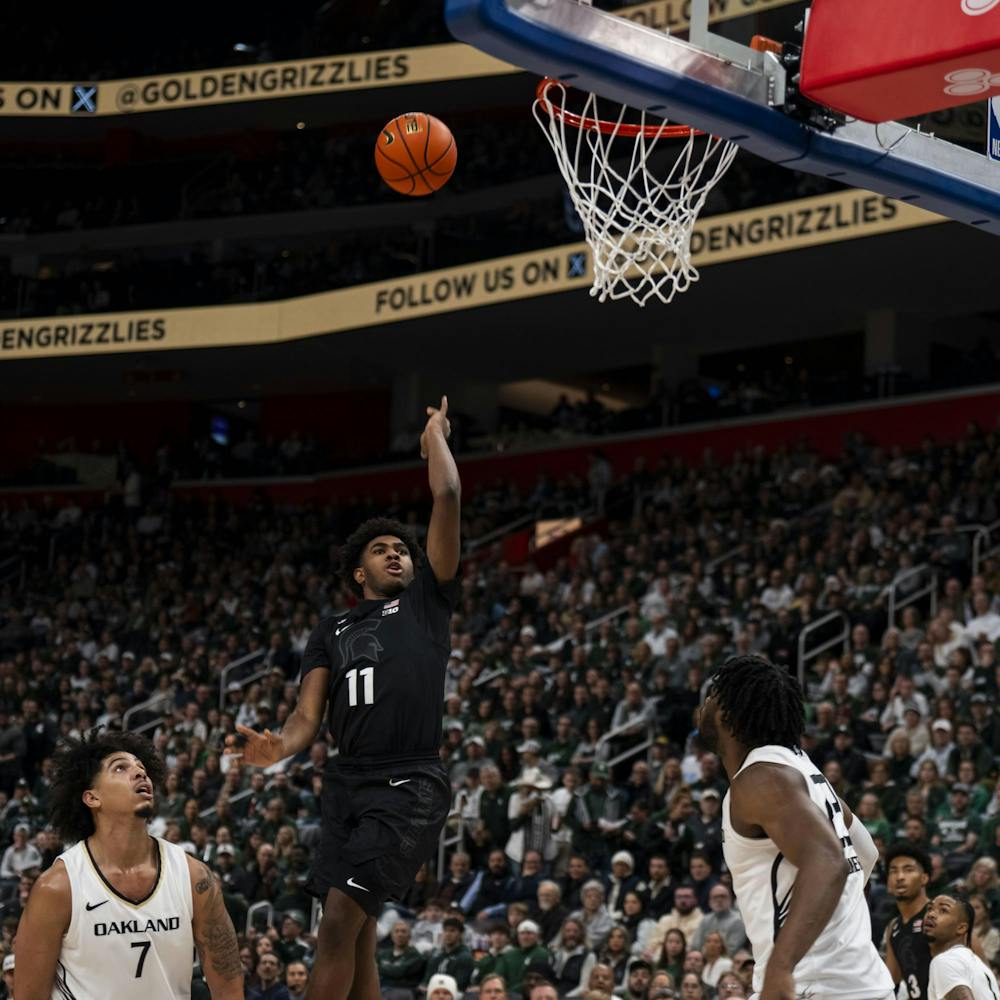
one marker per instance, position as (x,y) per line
(577,265)
(84,98)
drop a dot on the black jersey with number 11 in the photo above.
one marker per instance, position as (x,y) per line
(387,661)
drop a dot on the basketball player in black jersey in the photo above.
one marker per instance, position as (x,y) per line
(907,950)
(380,668)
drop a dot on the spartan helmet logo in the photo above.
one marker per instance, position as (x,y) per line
(360,643)
(976,7)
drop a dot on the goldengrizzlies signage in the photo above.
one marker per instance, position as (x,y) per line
(298,77)
(721,239)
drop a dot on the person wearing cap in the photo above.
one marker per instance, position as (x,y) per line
(530,751)
(291,946)
(600,811)
(8,975)
(623,879)
(940,747)
(512,964)
(960,828)
(986,721)
(443,987)
(533,819)
(452,960)
(706,826)
(638,974)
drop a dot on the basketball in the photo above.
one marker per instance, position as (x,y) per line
(416,154)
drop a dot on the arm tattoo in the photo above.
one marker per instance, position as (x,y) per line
(220,947)
(216,938)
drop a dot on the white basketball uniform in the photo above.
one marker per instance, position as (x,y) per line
(960,966)
(842,962)
(115,949)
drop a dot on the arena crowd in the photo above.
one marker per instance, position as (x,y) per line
(584,852)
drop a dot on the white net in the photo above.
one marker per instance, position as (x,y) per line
(637,188)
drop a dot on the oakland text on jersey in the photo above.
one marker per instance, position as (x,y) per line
(137,926)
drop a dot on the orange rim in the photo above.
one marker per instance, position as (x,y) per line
(607,128)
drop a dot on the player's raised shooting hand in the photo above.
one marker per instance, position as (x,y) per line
(258,750)
(437,420)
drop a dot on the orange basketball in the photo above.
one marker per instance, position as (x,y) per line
(416,153)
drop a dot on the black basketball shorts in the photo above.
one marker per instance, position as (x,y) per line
(381,820)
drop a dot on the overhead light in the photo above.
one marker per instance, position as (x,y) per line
(242,404)
(243,47)
(300,125)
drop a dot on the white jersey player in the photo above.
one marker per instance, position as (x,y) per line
(119,914)
(798,858)
(957,973)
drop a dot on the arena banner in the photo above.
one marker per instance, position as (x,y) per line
(329,75)
(230,85)
(675,15)
(806,222)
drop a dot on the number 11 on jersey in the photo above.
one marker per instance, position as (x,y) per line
(368,679)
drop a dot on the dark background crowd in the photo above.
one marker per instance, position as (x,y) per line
(584,849)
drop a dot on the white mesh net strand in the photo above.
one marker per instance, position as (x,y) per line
(637,225)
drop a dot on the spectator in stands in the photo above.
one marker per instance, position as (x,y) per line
(22,856)
(452,959)
(296,979)
(511,963)
(400,965)
(686,917)
(550,913)
(721,919)
(572,960)
(269,985)
(593,914)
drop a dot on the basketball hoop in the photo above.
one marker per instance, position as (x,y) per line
(637,225)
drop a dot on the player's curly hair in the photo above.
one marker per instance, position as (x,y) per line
(351,550)
(904,849)
(759,703)
(76,764)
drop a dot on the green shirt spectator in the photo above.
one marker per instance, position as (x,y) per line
(959,826)
(400,965)
(453,958)
(511,964)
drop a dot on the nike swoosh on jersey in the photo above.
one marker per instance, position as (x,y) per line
(94,906)
(398,781)
(354,885)
(344,629)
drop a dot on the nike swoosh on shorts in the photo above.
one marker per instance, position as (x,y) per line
(354,885)
(398,781)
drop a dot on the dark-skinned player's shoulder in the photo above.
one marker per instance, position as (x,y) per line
(433,602)
(318,653)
